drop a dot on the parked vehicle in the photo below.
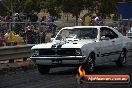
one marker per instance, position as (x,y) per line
(129,34)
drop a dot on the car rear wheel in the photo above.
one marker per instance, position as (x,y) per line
(122,59)
(89,65)
(43,69)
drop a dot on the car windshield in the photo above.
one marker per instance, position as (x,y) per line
(77,33)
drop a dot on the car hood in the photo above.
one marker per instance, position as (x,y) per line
(64,44)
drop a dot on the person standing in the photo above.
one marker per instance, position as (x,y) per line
(98,20)
(2,40)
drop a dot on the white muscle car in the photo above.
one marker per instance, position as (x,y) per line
(82,45)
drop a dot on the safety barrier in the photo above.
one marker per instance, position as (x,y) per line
(15,52)
(13,58)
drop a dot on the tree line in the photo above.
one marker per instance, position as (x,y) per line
(55,7)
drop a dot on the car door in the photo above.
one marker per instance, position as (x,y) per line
(116,44)
(108,44)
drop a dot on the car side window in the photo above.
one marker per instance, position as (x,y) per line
(88,33)
(107,33)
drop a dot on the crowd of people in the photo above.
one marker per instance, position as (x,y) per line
(30,29)
(25,29)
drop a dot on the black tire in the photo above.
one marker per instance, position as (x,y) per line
(89,65)
(122,59)
(43,69)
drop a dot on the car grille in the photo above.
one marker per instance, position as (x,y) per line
(62,52)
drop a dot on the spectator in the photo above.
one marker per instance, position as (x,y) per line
(8,18)
(33,17)
(43,19)
(17,18)
(1,19)
(22,16)
(36,36)
(48,36)
(17,26)
(42,36)
(54,30)
(30,35)
(2,40)
(98,20)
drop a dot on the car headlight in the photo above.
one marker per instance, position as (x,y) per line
(78,52)
(35,52)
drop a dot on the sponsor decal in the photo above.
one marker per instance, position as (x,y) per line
(111,53)
(58,45)
(82,78)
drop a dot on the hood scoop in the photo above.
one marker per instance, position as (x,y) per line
(72,40)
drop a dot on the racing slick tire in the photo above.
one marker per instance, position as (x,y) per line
(122,59)
(89,65)
(43,69)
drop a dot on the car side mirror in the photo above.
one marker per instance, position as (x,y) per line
(51,39)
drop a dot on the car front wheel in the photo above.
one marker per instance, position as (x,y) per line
(122,59)
(89,65)
(43,69)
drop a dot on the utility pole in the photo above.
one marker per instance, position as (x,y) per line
(11,22)
(11,7)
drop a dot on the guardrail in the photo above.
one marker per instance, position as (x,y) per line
(15,52)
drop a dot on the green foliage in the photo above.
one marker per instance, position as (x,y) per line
(54,7)
(21,5)
(73,6)
(3,9)
(16,5)
(108,6)
(30,5)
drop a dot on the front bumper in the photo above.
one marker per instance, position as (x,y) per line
(60,60)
